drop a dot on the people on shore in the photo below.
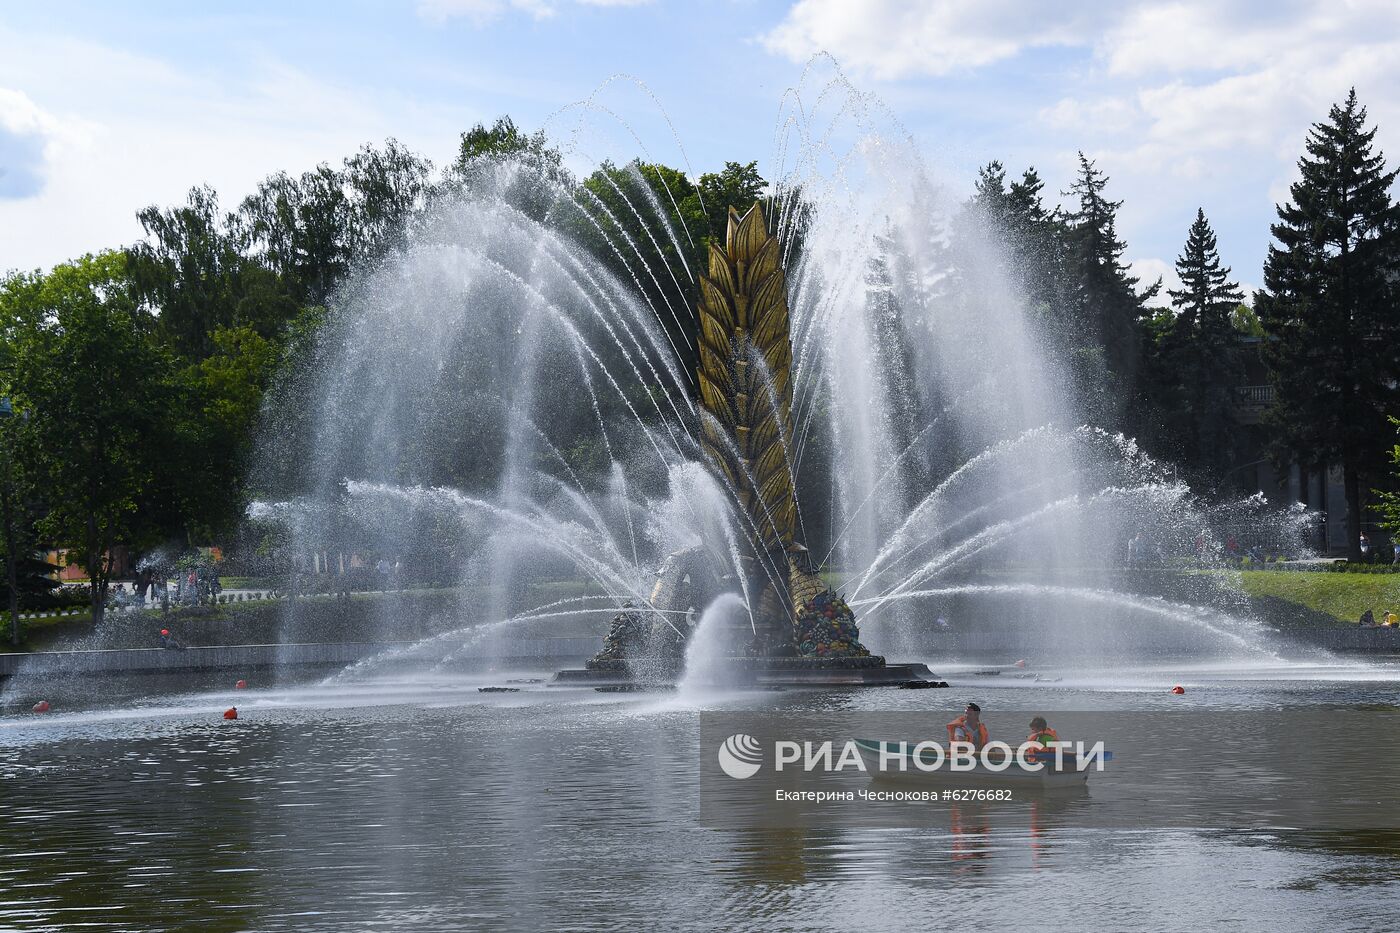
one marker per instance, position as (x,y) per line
(969,727)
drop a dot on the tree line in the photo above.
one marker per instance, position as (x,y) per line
(138,375)
(1168,372)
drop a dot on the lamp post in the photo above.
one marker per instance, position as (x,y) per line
(7,413)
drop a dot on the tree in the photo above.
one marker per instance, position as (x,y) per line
(522,167)
(219,404)
(1105,309)
(300,228)
(191,271)
(386,188)
(903,406)
(1199,351)
(95,384)
(1034,239)
(1330,306)
(1388,501)
(737,185)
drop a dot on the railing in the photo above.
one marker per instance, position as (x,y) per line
(1261,396)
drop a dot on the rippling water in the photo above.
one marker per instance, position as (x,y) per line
(425,805)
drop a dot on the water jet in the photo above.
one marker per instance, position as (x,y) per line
(800,631)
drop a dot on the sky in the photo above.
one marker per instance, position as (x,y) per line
(104,111)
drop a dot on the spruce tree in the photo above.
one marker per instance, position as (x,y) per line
(1040,236)
(1032,238)
(1329,306)
(1201,360)
(1105,309)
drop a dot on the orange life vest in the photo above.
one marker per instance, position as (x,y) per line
(1043,736)
(961,724)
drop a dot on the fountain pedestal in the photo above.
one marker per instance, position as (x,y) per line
(868,671)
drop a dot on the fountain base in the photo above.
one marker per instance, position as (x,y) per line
(869,671)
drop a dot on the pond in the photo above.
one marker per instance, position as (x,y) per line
(418,802)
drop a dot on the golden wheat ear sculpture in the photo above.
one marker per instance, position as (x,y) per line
(745,376)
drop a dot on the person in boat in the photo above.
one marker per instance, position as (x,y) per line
(969,727)
(1041,733)
(1368,619)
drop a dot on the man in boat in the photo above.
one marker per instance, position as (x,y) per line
(1041,733)
(969,727)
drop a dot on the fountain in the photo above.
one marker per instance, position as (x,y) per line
(552,427)
(800,631)
(551,419)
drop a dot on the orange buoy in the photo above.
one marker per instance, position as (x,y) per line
(241,685)
(231,713)
(1021,663)
(1178,690)
(165,632)
(41,707)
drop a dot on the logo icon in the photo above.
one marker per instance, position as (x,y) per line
(740,756)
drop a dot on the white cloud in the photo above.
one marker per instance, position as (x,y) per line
(1182,102)
(156,131)
(1073,114)
(21,116)
(1168,81)
(30,139)
(1238,36)
(1150,270)
(890,39)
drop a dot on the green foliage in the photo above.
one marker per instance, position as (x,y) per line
(1104,311)
(1246,322)
(1330,305)
(191,270)
(521,167)
(1342,595)
(651,226)
(96,388)
(1197,361)
(313,229)
(147,373)
(221,401)
(1389,501)
(1069,265)
(737,185)
(1034,243)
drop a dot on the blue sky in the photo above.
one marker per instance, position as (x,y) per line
(105,110)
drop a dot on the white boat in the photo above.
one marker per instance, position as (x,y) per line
(1048,776)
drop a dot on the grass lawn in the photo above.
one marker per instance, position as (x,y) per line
(1344,596)
(250,583)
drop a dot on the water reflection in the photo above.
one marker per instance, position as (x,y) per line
(573,810)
